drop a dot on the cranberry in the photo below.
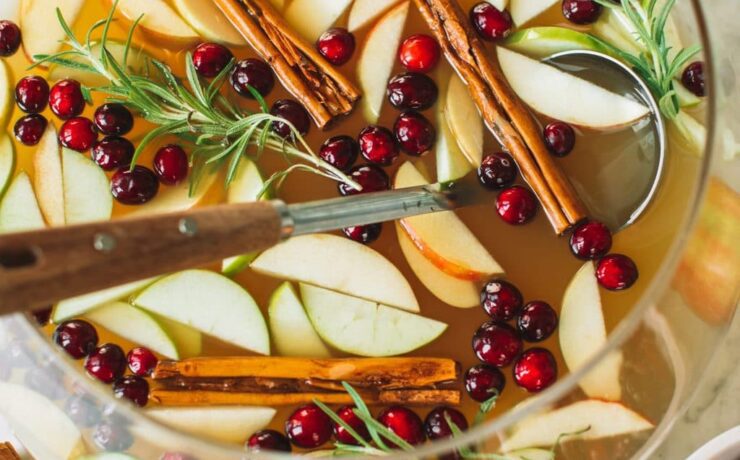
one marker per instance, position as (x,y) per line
(135,186)
(419,53)
(496,344)
(171,164)
(308,427)
(42,316)
(141,361)
(516,205)
(497,171)
(348,416)
(412,91)
(414,133)
(107,363)
(82,410)
(537,321)
(210,59)
(484,382)
(78,338)
(364,234)
(501,299)
(32,94)
(268,440)
(340,152)
(133,388)
(336,45)
(66,100)
(616,272)
(370,177)
(252,73)
(30,128)
(590,240)
(490,22)
(535,370)
(10,38)
(112,436)
(377,145)
(436,425)
(693,78)
(113,119)
(581,11)
(294,113)
(403,422)
(113,152)
(560,138)
(78,134)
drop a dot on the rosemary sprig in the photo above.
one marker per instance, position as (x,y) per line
(222,133)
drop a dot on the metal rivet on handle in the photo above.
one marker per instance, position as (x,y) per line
(104,242)
(188,226)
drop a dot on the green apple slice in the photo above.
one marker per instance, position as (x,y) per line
(6,96)
(19,209)
(208,21)
(136,326)
(188,341)
(176,198)
(210,303)
(220,423)
(310,18)
(464,120)
(365,328)
(7,162)
(291,329)
(245,187)
(136,64)
(48,178)
(87,196)
(523,11)
(541,42)
(75,306)
(451,162)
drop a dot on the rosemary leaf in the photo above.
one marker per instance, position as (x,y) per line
(337,419)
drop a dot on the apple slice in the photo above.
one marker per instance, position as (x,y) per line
(245,187)
(464,120)
(19,210)
(136,326)
(176,198)
(337,263)
(6,95)
(443,238)
(69,308)
(291,329)
(42,32)
(210,303)
(583,333)
(365,328)
(541,42)
(7,162)
(365,11)
(188,341)
(136,64)
(87,196)
(220,423)
(159,19)
(311,18)
(605,419)
(566,97)
(378,58)
(40,425)
(48,179)
(208,20)
(523,11)
(451,163)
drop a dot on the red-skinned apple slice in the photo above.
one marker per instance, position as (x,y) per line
(48,178)
(159,20)
(365,11)
(311,18)
(42,33)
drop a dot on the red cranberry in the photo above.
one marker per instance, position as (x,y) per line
(497,171)
(403,422)
(32,94)
(134,187)
(484,382)
(693,78)
(537,321)
(436,425)
(501,299)
(10,38)
(496,344)
(171,164)
(308,427)
(78,338)
(364,234)
(535,370)
(112,436)
(348,416)
(370,177)
(560,138)
(419,53)
(590,240)
(336,45)
(78,134)
(30,129)
(490,22)
(210,59)
(141,361)
(107,363)
(340,152)
(412,91)
(616,272)
(133,388)
(113,152)
(581,11)
(253,73)
(377,145)
(113,119)
(294,113)
(82,410)
(42,316)
(516,205)
(414,133)
(267,440)
(66,100)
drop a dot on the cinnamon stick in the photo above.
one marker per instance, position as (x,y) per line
(503,112)
(8,452)
(324,92)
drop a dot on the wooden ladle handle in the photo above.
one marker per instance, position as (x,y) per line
(42,267)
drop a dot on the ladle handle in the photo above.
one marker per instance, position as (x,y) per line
(42,267)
